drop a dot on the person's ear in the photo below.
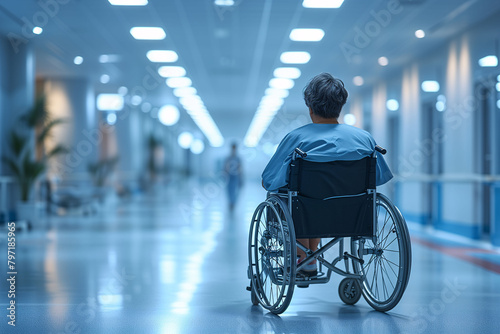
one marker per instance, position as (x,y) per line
(310,113)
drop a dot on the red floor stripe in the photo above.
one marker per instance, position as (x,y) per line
(461,253)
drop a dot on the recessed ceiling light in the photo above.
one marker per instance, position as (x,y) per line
(146,107)
(128,2)
(281,83)
(123,90)
(488,61)
(307,35)
(322,3)
(431,86)
(78,60)
(37,30)
(136,100)
(349,119)
(383,61)
(224,3)
(169,115)
(179,82)
(392,105)
(109,102)
(171,71)
(104,78)
(185,139)
(283,93)
(295,57)
(287,72)
(197,146)
(148,33)
(358,80)
(185,91)
(103,59)
(162,56)
(420,33)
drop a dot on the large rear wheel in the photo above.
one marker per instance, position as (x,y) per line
(272,254)
(386,258)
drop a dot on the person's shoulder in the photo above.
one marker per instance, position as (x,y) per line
(355,130)
(298,132)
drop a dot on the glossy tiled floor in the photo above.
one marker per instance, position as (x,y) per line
(176,262)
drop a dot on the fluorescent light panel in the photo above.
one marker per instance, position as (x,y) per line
(128,2)
(322,3)
(295,57)
(281,83)
(287,72)
(307,35)
(488,61)
(179,82)
(430,86)
(162,56)
(171,71)
(148,33)
(109,102)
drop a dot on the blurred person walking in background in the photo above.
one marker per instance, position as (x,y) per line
(233,170)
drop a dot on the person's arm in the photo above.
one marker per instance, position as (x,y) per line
(275,174)
(383,174)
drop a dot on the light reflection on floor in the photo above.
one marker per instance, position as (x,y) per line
(173,262)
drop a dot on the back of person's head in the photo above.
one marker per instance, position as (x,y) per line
(325,95)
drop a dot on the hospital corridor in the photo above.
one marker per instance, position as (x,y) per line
(249,166)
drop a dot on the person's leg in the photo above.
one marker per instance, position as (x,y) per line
(300,253)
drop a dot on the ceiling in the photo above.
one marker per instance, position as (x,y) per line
(230,52)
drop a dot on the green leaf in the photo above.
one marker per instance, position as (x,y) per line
(45,133)
(17,143)
(37,115)
(58,149)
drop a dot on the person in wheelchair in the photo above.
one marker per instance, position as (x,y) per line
(323,140)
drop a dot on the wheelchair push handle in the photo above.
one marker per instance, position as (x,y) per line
(380,149)
(301,153)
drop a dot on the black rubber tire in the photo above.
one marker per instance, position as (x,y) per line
(349,291)
(392,255)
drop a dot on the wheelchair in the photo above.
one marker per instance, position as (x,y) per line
(338,201)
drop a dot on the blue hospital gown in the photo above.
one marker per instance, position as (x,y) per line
(322,143)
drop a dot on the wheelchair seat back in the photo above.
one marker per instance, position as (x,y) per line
(333,199)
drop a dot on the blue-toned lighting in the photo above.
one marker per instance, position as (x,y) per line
(322,3)
(281,83)
(295,57)
(392,104)
(197,146)
(349,119)
(109,102)
(185,139)
(430,86)
(287,72)
(148,33)
(78,60)
(111,118)
(37,30)
(224,3)
(178,82)
(307,35)
(420,33)
(358,80)
(128,2)
(171,71)
(162,56)
(168,115)
(488,61)
(104,79)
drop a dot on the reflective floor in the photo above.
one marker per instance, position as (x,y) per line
(176,262)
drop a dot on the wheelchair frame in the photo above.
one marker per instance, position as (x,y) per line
(354,284)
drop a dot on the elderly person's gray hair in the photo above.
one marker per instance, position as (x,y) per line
(325,95)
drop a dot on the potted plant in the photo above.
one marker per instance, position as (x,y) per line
(27,164)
